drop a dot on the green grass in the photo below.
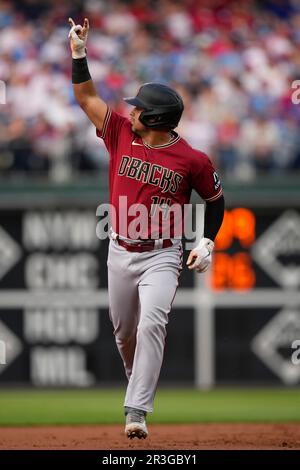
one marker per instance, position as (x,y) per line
(33,407)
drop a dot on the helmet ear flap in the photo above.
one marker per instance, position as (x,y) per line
(167,120)
(150,121)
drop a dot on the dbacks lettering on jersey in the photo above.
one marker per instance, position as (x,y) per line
(147,175)
(166,179)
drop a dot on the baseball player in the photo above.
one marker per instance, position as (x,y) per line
(152,166)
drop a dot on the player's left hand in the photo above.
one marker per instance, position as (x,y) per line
(78,37)
(200,257)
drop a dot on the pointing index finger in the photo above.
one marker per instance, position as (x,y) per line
(71,22)
(86,23)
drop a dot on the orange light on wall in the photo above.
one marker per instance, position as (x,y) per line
(220,271)
(243,274)
(238,224)
(233,272)
(225,235)
(243,226)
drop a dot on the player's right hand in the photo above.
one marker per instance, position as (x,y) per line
(78,37)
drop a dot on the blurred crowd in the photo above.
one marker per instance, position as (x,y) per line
(233,61)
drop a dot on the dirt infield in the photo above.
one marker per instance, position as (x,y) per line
(181,436)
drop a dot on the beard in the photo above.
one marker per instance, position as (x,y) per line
(135,130)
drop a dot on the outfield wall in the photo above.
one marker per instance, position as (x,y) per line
(239,324)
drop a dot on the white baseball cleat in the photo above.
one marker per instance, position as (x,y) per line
(136,424)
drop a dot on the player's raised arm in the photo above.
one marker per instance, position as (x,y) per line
(84,90)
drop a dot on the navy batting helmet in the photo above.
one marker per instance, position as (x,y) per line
(162,106)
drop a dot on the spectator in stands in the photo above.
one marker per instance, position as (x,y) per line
(233,61)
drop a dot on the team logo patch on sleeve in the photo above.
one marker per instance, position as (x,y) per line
(217,181)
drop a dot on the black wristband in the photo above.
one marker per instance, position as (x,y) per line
(80,70)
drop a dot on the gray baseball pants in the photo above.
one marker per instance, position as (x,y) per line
(141,289)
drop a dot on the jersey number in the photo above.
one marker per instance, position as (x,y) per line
(162,203)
